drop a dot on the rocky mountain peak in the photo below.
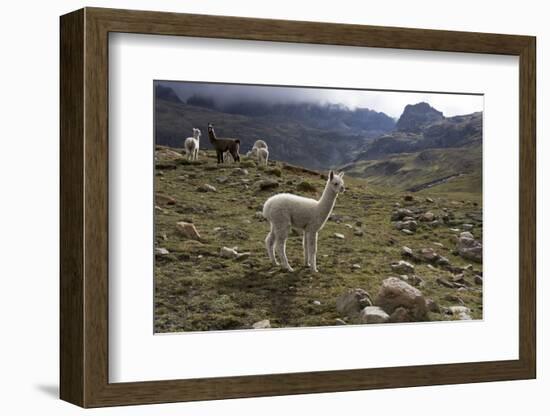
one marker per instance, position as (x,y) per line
(416,115)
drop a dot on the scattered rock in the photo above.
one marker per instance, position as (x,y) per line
(259,216)
(356,266)
(407,232)
(469,248)
(400,214)
(430,200)
(468,227)
(428,254)
(339,236)
(406,225)
(413,280)
(461,312)
(160,251)
(352,302)
(395,293)
(402,267)
(188,230)
(167,155)
(316,303)
(443,261)
(406,251)
(222,179)
(478,280)
(240,172)
(453,298)
(161,199)
(374,315)
(358,232)
(262,324)
(445,282)
(268,184)
(339,321)
(408,198)
(206,188)
(427,217)
(232,253)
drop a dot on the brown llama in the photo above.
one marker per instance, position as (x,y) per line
(224,145)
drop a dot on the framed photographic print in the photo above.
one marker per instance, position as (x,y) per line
(256,207)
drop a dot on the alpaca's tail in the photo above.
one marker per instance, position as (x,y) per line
(266,210)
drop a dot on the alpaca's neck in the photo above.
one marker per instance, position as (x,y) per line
(212,136)
(326,203)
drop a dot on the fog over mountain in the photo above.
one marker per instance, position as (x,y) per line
(391,103)
(335,129)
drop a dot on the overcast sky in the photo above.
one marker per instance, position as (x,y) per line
(389,102)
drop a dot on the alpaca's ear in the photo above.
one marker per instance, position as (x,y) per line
(341,174)
(331,175)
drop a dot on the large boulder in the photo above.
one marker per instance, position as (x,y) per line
(352,302)
(395,293)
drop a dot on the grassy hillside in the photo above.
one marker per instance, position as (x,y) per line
(197,289)
(459,170)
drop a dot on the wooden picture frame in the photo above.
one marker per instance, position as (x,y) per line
(84,207)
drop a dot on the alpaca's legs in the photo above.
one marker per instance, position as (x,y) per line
(270,246)
(306,248)
(196,154)
(219,153)
(313,251)
(281,234)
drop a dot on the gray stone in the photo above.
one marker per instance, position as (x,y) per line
(395,293)
(262,324)
(352,302)
(461,312)
(374,315)
(206,188)
(402,267)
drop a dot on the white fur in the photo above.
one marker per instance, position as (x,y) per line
(260,144)
(284,211)
(192,145)
(261,154)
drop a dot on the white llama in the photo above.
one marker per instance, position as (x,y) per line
(261,154)
(192,144)
(260,144)
(284,211)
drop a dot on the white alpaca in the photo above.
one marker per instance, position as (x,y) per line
(192,145)
(261,154)
(284,211)
(260,144)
